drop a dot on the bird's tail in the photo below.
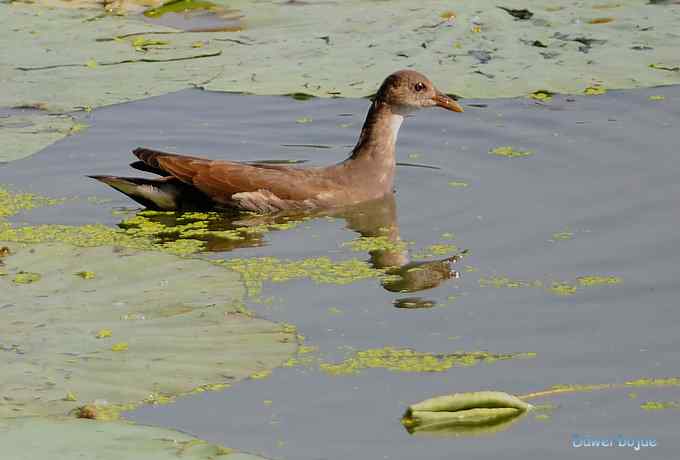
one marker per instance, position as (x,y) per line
(158,194)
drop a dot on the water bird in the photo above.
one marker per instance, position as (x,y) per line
(189,182)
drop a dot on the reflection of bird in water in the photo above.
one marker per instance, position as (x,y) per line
(368,173)
(373,219)
(379,218)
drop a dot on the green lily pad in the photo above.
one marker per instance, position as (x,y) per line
(36,439)
(279,51)
(150,326)
(25,134)
(274,66)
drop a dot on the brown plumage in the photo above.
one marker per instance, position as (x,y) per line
(189,182)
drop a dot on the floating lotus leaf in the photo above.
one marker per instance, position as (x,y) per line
(22,135)
(464,413)
(69,58)
(147,327)
(49,439)
(280,50)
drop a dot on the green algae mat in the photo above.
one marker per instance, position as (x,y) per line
(75,56)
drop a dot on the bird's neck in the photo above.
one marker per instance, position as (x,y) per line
(376,144)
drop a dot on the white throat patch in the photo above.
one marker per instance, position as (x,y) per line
(395,124)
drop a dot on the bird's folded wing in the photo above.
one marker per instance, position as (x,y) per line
(222,179)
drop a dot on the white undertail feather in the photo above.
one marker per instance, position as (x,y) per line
(165,198)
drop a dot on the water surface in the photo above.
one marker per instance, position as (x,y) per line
(602,176)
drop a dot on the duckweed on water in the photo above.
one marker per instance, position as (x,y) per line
(509,152)
(13,203)
(655,382)
(175,233)
(577,388)
(435,250)
(505,282)
(594,91)
(323,270)
(562,236)
(542,95)
(596,280)
(560,288)
(26,278)
(660,405)
(563,289)
(376,243)
(407,360)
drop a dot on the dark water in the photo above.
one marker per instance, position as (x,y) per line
(604,169)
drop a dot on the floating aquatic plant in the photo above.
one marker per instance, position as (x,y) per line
(407,360)
(70,439)
(255,271)
(558,287)
(542,95)
(464,413)
(13,203)
(660,405)
(598,280)
(594,90)
(376,243)
(510,152)
(179,320)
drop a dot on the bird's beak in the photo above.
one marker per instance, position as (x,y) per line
(445,102)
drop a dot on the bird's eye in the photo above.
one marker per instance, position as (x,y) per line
(420,86)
